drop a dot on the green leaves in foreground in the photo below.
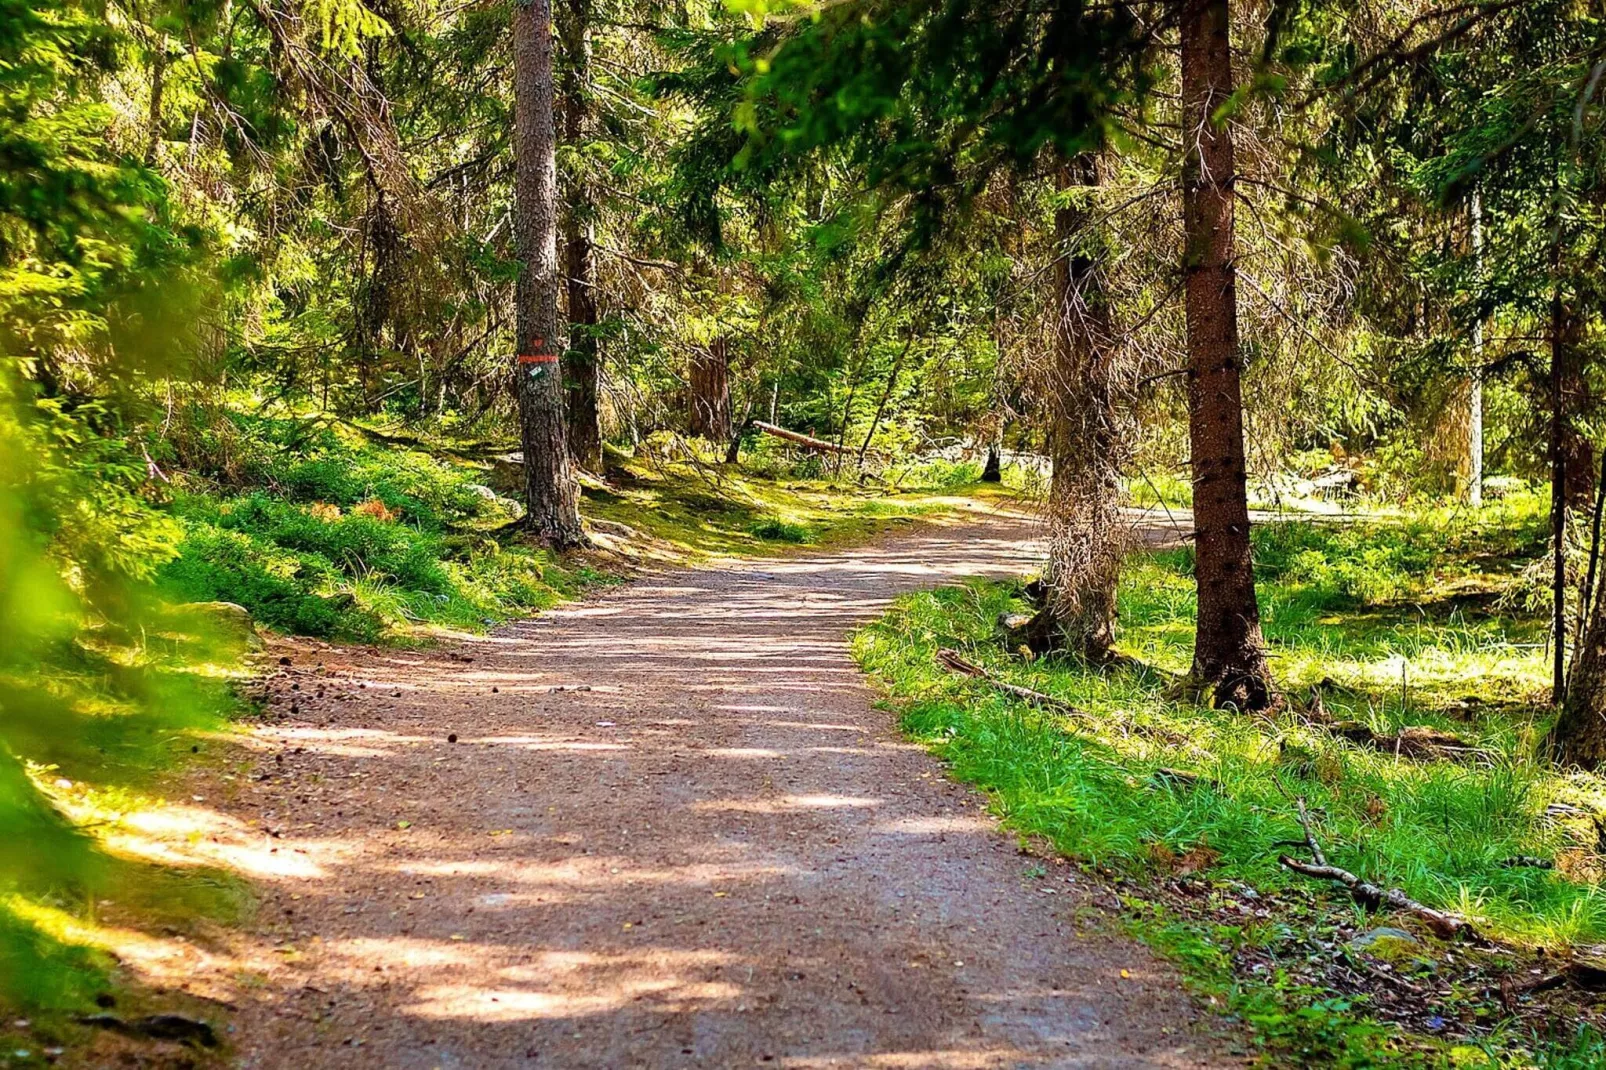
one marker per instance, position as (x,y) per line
(97,679)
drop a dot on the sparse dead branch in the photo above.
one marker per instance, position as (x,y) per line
(1372,896)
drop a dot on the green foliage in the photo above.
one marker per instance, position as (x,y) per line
(936,475)
(98,679)
(1289,1020)
(1371,562)
(778,530)
(356,542)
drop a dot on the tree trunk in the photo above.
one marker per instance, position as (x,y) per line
(1229,653)
(1087,538)
(886,396)
(1578,453)
(1471,468)
(1579,737)
(993,470)
(711,391)
(582,368)
(551,493)
(153,122)
(1558,501)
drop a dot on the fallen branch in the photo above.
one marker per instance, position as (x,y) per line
(157,1027)
(1375,897)
(1527,862)
(1392,979)
(801,439)
(1585,976)
(1369,895)
(1183,778)
(953,661)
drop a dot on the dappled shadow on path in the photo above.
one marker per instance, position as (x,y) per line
(672,831)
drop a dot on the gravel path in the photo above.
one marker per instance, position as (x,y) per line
(671,831)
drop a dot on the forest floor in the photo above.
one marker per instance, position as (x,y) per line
(1385,631)
(665,826)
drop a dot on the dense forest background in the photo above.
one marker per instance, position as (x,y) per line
(354,320)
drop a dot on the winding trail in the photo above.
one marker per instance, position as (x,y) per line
(672,831)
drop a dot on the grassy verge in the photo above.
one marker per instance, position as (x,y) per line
(323,531)
(1416,622)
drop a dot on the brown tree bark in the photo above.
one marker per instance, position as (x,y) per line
(1558,492)
(1578,453)
(1229,653)
(581,365)
(1579,735)
(993,470)
(1579,738)
(552,496)
(711,391)
(1087,538)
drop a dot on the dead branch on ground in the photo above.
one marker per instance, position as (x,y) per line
(1369,895)
(953,661)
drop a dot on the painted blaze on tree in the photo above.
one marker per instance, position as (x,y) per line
(552,495)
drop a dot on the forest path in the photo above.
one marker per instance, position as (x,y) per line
(672,831)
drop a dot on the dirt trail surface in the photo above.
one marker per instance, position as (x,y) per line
(672,831)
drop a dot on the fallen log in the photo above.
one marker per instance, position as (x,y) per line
(801,439)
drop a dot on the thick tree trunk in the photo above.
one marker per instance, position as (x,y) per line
(1087,538)
(1579,737)
(993,470)
(551,493)
(1229,653)
(581,366)
(711,391)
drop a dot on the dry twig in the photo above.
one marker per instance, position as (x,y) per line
(1369,895)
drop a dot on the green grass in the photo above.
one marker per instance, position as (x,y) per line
(317,530)
(706,510)
(1168,490)
(1401,623)
(321,568)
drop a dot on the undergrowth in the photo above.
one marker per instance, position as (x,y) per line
(1397,624)
(319,530)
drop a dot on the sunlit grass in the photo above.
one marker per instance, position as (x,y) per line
(345,540)
(1440,830)
(706,511)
